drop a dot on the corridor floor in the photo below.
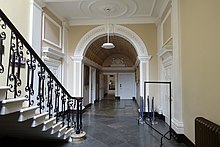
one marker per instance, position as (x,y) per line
(114,123)
(110,123)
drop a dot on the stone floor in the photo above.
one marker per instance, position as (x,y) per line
(114,123)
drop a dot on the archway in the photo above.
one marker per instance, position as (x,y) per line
(99,31)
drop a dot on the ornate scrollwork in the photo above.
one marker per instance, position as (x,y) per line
(2,48)
(2,24)
(57,96)
(40,96)
(31,64)
(14,68)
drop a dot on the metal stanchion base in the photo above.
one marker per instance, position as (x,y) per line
(78,138)
(140,121)
(154,122)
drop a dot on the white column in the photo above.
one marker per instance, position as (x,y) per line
(177,121)
(144,76)
(78,70)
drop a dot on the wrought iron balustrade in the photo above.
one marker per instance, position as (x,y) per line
(27,76)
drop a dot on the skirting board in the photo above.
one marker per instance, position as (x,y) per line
(180,138)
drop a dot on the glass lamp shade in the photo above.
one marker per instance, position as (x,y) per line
(108,45)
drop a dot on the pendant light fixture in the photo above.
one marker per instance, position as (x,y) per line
(107,45)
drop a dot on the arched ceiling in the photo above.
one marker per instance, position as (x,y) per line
(98,54)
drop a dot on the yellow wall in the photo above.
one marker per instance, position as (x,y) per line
(18,11)
(148,34)
(75,34)
(200,50)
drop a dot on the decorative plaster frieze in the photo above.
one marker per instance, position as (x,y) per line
(52,53)
(118,69)
(87,39)
(166,52)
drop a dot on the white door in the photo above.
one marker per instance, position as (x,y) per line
(126,85)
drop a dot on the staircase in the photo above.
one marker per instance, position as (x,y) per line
(33,103)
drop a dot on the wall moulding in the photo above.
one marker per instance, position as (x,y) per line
(48,24)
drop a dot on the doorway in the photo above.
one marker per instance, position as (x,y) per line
(126,88)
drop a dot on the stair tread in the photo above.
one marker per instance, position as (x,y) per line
(57,124)
(49,120)
(64,127)
(11,100)
(40,115)
(29,108)
(4,87)
(68,130)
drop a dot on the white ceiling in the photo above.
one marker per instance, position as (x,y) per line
(91,12)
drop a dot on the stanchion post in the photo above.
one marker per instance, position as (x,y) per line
(148,108)
(141,110)
(153,113)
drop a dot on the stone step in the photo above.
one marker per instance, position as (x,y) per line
(39,119)
(48,124)
(11,105)
(27,113)
(68,133)
(62,131)
(3,90)
(56,127)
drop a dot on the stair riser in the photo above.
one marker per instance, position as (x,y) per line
(26,115)
(62,131)
(39,120)
(11,107)
(2,95)
(55,129)
(67,133)
(48,125)
(3,92)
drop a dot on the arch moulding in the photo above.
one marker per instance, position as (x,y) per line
(98,32)
(118,30)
